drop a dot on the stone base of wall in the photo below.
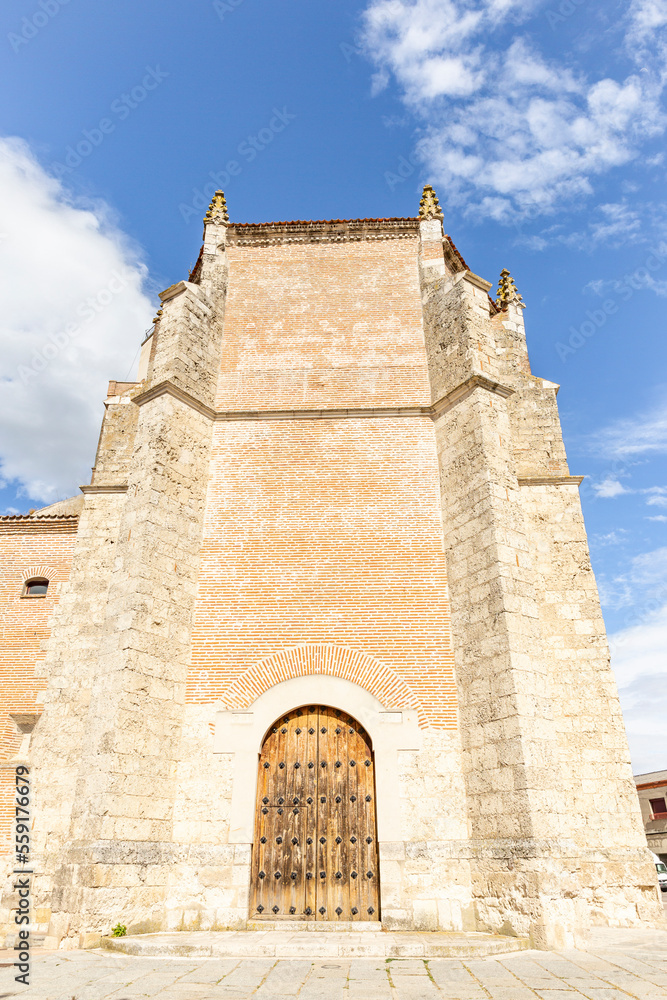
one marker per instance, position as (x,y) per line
(555,899)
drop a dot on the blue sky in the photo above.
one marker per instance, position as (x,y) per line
(541,124)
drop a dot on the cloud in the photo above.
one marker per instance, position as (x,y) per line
(642,586)
(507,132)
(662,518)
(641,435)
(74,312)
(640,665)
(657,496)
(611,538)
(609,488)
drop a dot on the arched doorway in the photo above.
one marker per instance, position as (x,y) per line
(315,844)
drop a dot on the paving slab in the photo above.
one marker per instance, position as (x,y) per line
(623,972)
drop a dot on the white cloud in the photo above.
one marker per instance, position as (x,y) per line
(508,132)
(644,434)
(73,317)
(609,488)
(639,660)
(649,569)
(611,538)
(657,498)
(662,518)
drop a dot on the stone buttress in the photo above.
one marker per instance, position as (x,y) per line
(540,721)
(105,751)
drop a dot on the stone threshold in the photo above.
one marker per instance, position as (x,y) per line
(290,943)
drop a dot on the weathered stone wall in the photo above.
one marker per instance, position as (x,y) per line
(112,787)
(526,623)
(66,675)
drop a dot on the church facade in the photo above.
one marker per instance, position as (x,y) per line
(321,640)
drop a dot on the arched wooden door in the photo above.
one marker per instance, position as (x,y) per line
(315,849)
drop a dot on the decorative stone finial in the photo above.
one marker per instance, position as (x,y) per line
(507,291)
(217,210)
(429,206)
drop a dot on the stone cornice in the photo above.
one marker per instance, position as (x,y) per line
(169,389)
(433,411)
(323,414)
(331,231)
(551,481)
(463,390)
(94,488)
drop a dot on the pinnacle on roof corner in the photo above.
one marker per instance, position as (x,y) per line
(217,210)
(429,206)
(507,291)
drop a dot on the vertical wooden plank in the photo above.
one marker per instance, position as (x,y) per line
(293,874)
(278,873)
(320,832)
(370,899)
(355,826)
(310,824)
(340,817)
(333,816)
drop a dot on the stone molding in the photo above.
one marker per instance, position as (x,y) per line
(445,403)
(552,481)
(462,391)
(169,389)
(320,414)
(119,488)
(240,734)
(321,231)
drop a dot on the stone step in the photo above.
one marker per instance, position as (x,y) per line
(320,926)
(309,944)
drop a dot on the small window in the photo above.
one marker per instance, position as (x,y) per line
(658,807)
(35,588)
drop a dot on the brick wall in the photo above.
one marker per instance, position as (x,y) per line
(323,324)
(324,530)
(28,548)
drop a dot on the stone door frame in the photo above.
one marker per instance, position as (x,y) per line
(241,733)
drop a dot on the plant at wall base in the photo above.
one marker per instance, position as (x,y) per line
(120,930)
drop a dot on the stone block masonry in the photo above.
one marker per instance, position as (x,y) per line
(336,481)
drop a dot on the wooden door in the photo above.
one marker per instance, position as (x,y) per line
(315,850)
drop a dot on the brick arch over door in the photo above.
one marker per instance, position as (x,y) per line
(332,661)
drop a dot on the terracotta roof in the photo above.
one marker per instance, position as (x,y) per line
(456,251)
(37,517)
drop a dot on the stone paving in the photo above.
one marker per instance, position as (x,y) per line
(624,965)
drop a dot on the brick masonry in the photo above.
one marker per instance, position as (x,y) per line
(336,463)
